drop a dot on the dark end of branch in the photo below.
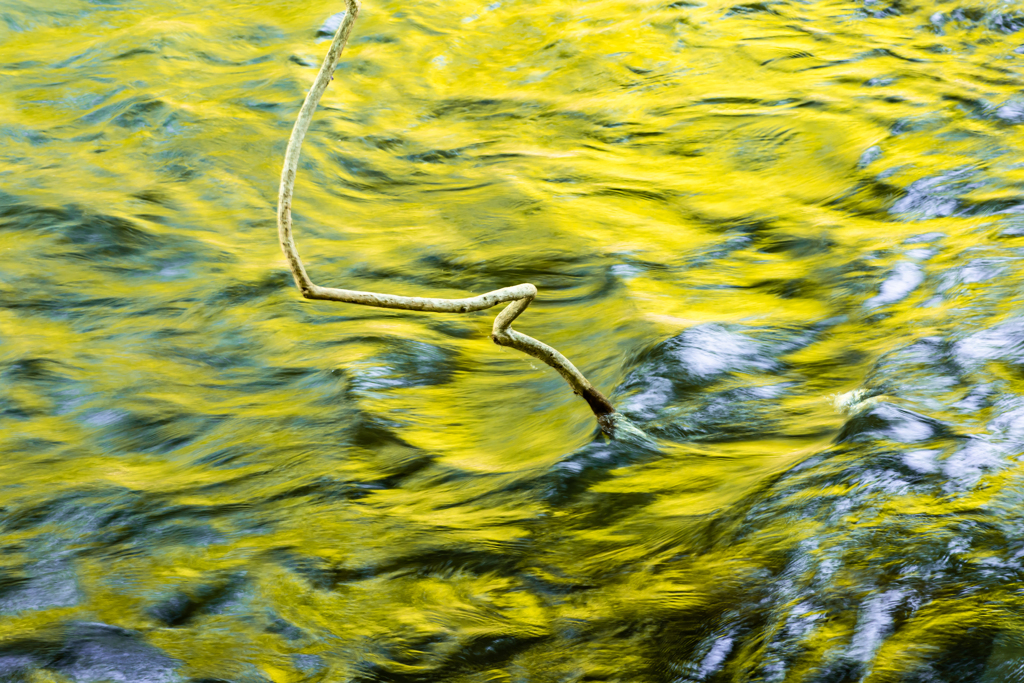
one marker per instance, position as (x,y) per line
(597,402)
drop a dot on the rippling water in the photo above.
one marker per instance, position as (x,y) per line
(784,236)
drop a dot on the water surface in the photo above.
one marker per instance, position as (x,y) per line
(784,237)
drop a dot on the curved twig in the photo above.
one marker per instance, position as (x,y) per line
(520,296)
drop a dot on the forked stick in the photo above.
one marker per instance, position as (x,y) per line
(520,296)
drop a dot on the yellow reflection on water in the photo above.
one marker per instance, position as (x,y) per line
(340,493)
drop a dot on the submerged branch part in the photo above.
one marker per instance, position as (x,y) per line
(517,297)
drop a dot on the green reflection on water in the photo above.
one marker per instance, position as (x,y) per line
(272,489)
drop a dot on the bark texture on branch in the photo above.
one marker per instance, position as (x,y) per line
(517,297)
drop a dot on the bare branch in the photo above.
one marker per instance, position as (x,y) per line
(518,297)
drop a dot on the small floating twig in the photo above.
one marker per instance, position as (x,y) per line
(520,296)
